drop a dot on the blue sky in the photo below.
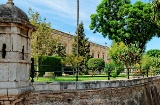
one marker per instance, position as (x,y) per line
(62,15)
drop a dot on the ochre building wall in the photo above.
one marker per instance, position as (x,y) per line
(96,50)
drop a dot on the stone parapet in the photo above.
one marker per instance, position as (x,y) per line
(145,91)
(89,85)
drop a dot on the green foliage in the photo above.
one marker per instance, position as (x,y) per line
(153,53)
(115,50)
(54,64)
(96,64)
(42,41)
(122,21)
(156,7)
(83,46)
(115,68)
(60,50)
(106,19)
(146,62)
(152,61)
(110,66)
(72,60)
(128,55)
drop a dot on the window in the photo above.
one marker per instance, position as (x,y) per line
(103,56)
(93,55)
(4,51)
(23,53)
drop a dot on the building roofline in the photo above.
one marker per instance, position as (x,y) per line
(70,35)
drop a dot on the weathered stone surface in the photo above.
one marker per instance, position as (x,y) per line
(133,92)
(4,72)
(3,92)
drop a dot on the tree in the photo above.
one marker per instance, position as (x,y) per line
(146,62)
(106,20)
(153,53)
(114,67)
(40,38)
(122,21)
(115,50)
(72,60)
(83,46)
(42,41)
(96,64)
(128,55)
(60,50)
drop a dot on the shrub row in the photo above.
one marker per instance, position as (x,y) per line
(51,64)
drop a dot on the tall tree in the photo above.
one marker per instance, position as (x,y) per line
(122,21)
(42,40)
(83,45)
(106,20)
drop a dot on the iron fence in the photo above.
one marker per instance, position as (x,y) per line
(106,73)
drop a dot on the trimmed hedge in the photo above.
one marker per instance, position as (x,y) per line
(50,64)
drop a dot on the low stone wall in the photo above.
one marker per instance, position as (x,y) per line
(144,91)
(90,85)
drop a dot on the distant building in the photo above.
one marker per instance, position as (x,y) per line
(96,50)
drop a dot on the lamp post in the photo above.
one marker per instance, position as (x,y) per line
(77,38)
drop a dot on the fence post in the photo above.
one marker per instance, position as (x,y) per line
(147,72)
(77,73)
(128,73)
(32,70)
(109,73)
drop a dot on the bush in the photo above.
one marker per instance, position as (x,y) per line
(115,69)
(96,64)
(49,63)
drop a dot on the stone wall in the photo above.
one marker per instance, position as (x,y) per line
(145,91)
(21,99)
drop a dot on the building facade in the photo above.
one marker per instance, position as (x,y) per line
(96,50)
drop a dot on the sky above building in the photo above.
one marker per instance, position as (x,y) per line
(62,16)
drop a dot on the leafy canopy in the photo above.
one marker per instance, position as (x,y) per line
(153,53)
(128,55)
(122,21)
(42,41)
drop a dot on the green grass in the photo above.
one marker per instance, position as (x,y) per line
(80,78)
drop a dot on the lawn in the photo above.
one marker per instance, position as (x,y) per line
(80,78)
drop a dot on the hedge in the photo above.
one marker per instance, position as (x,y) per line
(51,64)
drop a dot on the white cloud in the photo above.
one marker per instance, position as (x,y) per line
(63,10)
